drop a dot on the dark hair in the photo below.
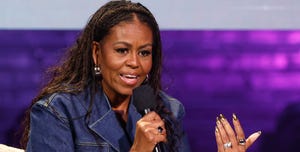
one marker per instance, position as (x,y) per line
(76,72)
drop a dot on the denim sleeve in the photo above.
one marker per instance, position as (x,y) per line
(48,132)
(185,146)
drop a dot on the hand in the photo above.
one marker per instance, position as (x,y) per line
(150,130)
(229,140)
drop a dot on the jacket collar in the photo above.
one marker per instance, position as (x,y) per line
(105,124)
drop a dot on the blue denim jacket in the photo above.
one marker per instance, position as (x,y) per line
(58,124)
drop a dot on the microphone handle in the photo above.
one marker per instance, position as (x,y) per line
(157,148)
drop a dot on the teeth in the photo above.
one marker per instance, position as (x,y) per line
(130,76)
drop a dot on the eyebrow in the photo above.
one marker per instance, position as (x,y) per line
(129,45)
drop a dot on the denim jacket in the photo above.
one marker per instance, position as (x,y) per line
(58,123)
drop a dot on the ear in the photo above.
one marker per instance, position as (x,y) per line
(95,51)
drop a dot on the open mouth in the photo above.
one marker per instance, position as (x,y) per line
(128,76)
(129,79)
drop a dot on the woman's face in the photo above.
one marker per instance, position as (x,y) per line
(125,57)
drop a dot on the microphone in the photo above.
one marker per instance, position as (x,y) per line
(144,99)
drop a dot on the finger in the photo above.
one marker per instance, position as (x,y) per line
(154,128)
(240,135)
(152,116)
(154,135)
(144,126)
(156,131)
(228,129)
(237,127)
(156,122)
(219,140)
(161,138)
(158,125)
(154,119)
(252,138)
(222,131)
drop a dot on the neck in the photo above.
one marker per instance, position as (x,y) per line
(118,102)
(120,106)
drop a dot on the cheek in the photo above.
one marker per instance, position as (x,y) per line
(111,66)
(147,66)
(110,62)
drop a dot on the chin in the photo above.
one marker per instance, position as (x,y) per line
(126,91)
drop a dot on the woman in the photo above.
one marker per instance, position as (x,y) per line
(88,106)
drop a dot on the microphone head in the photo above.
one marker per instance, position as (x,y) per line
(144,98)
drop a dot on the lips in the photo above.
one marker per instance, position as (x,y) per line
(129,79)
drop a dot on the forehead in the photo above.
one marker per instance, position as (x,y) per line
(133,29)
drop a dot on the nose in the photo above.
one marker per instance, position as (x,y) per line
(132,60)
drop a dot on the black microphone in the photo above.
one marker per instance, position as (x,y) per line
(144,99)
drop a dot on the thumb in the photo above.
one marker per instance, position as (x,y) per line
(251,139)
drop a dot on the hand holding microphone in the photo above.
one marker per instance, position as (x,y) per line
(150,129)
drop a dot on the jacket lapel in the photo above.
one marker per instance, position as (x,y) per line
(133,117)
(104,123)
(107,127)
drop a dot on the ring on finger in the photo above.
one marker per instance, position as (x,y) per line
(242,142)
(160,129)
(228,145)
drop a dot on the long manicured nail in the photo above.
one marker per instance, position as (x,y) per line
(218,121)
(255,135)
(234,117)
(222,117)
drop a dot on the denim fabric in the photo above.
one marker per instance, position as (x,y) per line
(58,123)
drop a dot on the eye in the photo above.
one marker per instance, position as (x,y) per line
(122,50)
(145,53)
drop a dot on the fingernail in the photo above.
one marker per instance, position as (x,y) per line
(216,129)
(234,117)
(218,121)
(259,132)
(222,117)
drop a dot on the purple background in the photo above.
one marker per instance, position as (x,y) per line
(253,73)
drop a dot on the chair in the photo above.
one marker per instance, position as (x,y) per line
(5,148)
